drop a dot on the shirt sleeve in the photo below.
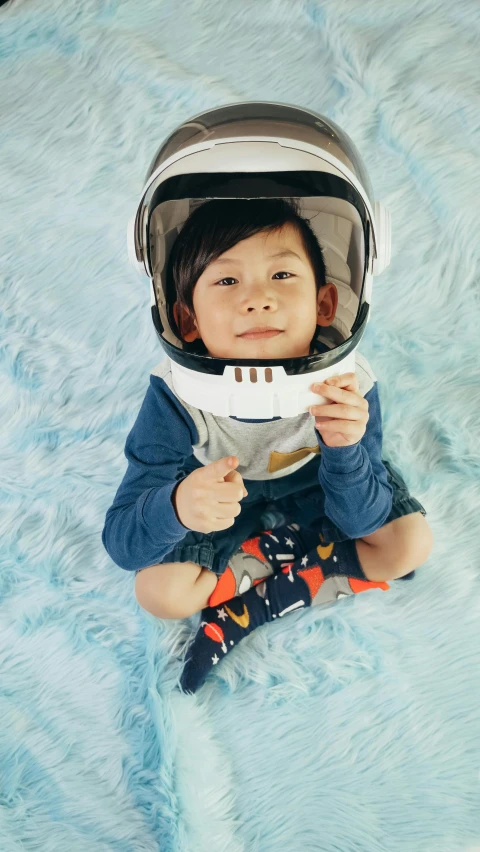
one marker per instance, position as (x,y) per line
(358,496)
(141,525)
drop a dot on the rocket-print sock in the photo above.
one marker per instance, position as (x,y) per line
(325,573)
(260,557)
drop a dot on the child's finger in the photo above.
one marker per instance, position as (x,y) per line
(346,380)
(341,395)
(235,476)
(337,412)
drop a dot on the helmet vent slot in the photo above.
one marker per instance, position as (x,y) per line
(253,376)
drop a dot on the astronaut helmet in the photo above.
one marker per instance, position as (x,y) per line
(259,152)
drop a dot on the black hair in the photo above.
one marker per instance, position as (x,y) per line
(216,226)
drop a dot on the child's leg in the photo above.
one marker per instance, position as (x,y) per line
(174,589)
(179,589)
(324,573)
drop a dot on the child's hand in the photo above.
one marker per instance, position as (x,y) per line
(347,418)
(208,499)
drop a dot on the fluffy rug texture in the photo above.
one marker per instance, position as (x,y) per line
(349,728)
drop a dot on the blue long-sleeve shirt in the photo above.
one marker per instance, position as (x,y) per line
(171,438)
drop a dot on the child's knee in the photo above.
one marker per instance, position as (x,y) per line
(411,545)
(164,590)
(416,543)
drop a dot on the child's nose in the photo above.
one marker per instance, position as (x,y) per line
(260,300)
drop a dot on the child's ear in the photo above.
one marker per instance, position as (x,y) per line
(327,302)
(185,322)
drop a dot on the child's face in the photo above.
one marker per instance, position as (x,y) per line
(247,288)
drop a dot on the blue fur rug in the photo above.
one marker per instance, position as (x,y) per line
(352,728)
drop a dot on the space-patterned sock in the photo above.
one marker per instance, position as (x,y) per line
(260,557)
(325,573)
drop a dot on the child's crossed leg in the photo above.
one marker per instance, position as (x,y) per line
(322,574)
(180,589)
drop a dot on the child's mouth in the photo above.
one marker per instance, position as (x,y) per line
(256,335)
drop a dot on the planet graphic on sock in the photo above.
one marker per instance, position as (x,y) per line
(215,632)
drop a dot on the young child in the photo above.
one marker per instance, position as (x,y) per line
(189,514)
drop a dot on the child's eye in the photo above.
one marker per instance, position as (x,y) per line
(233,279)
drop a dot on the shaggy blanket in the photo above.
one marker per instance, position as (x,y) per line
(348,728)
